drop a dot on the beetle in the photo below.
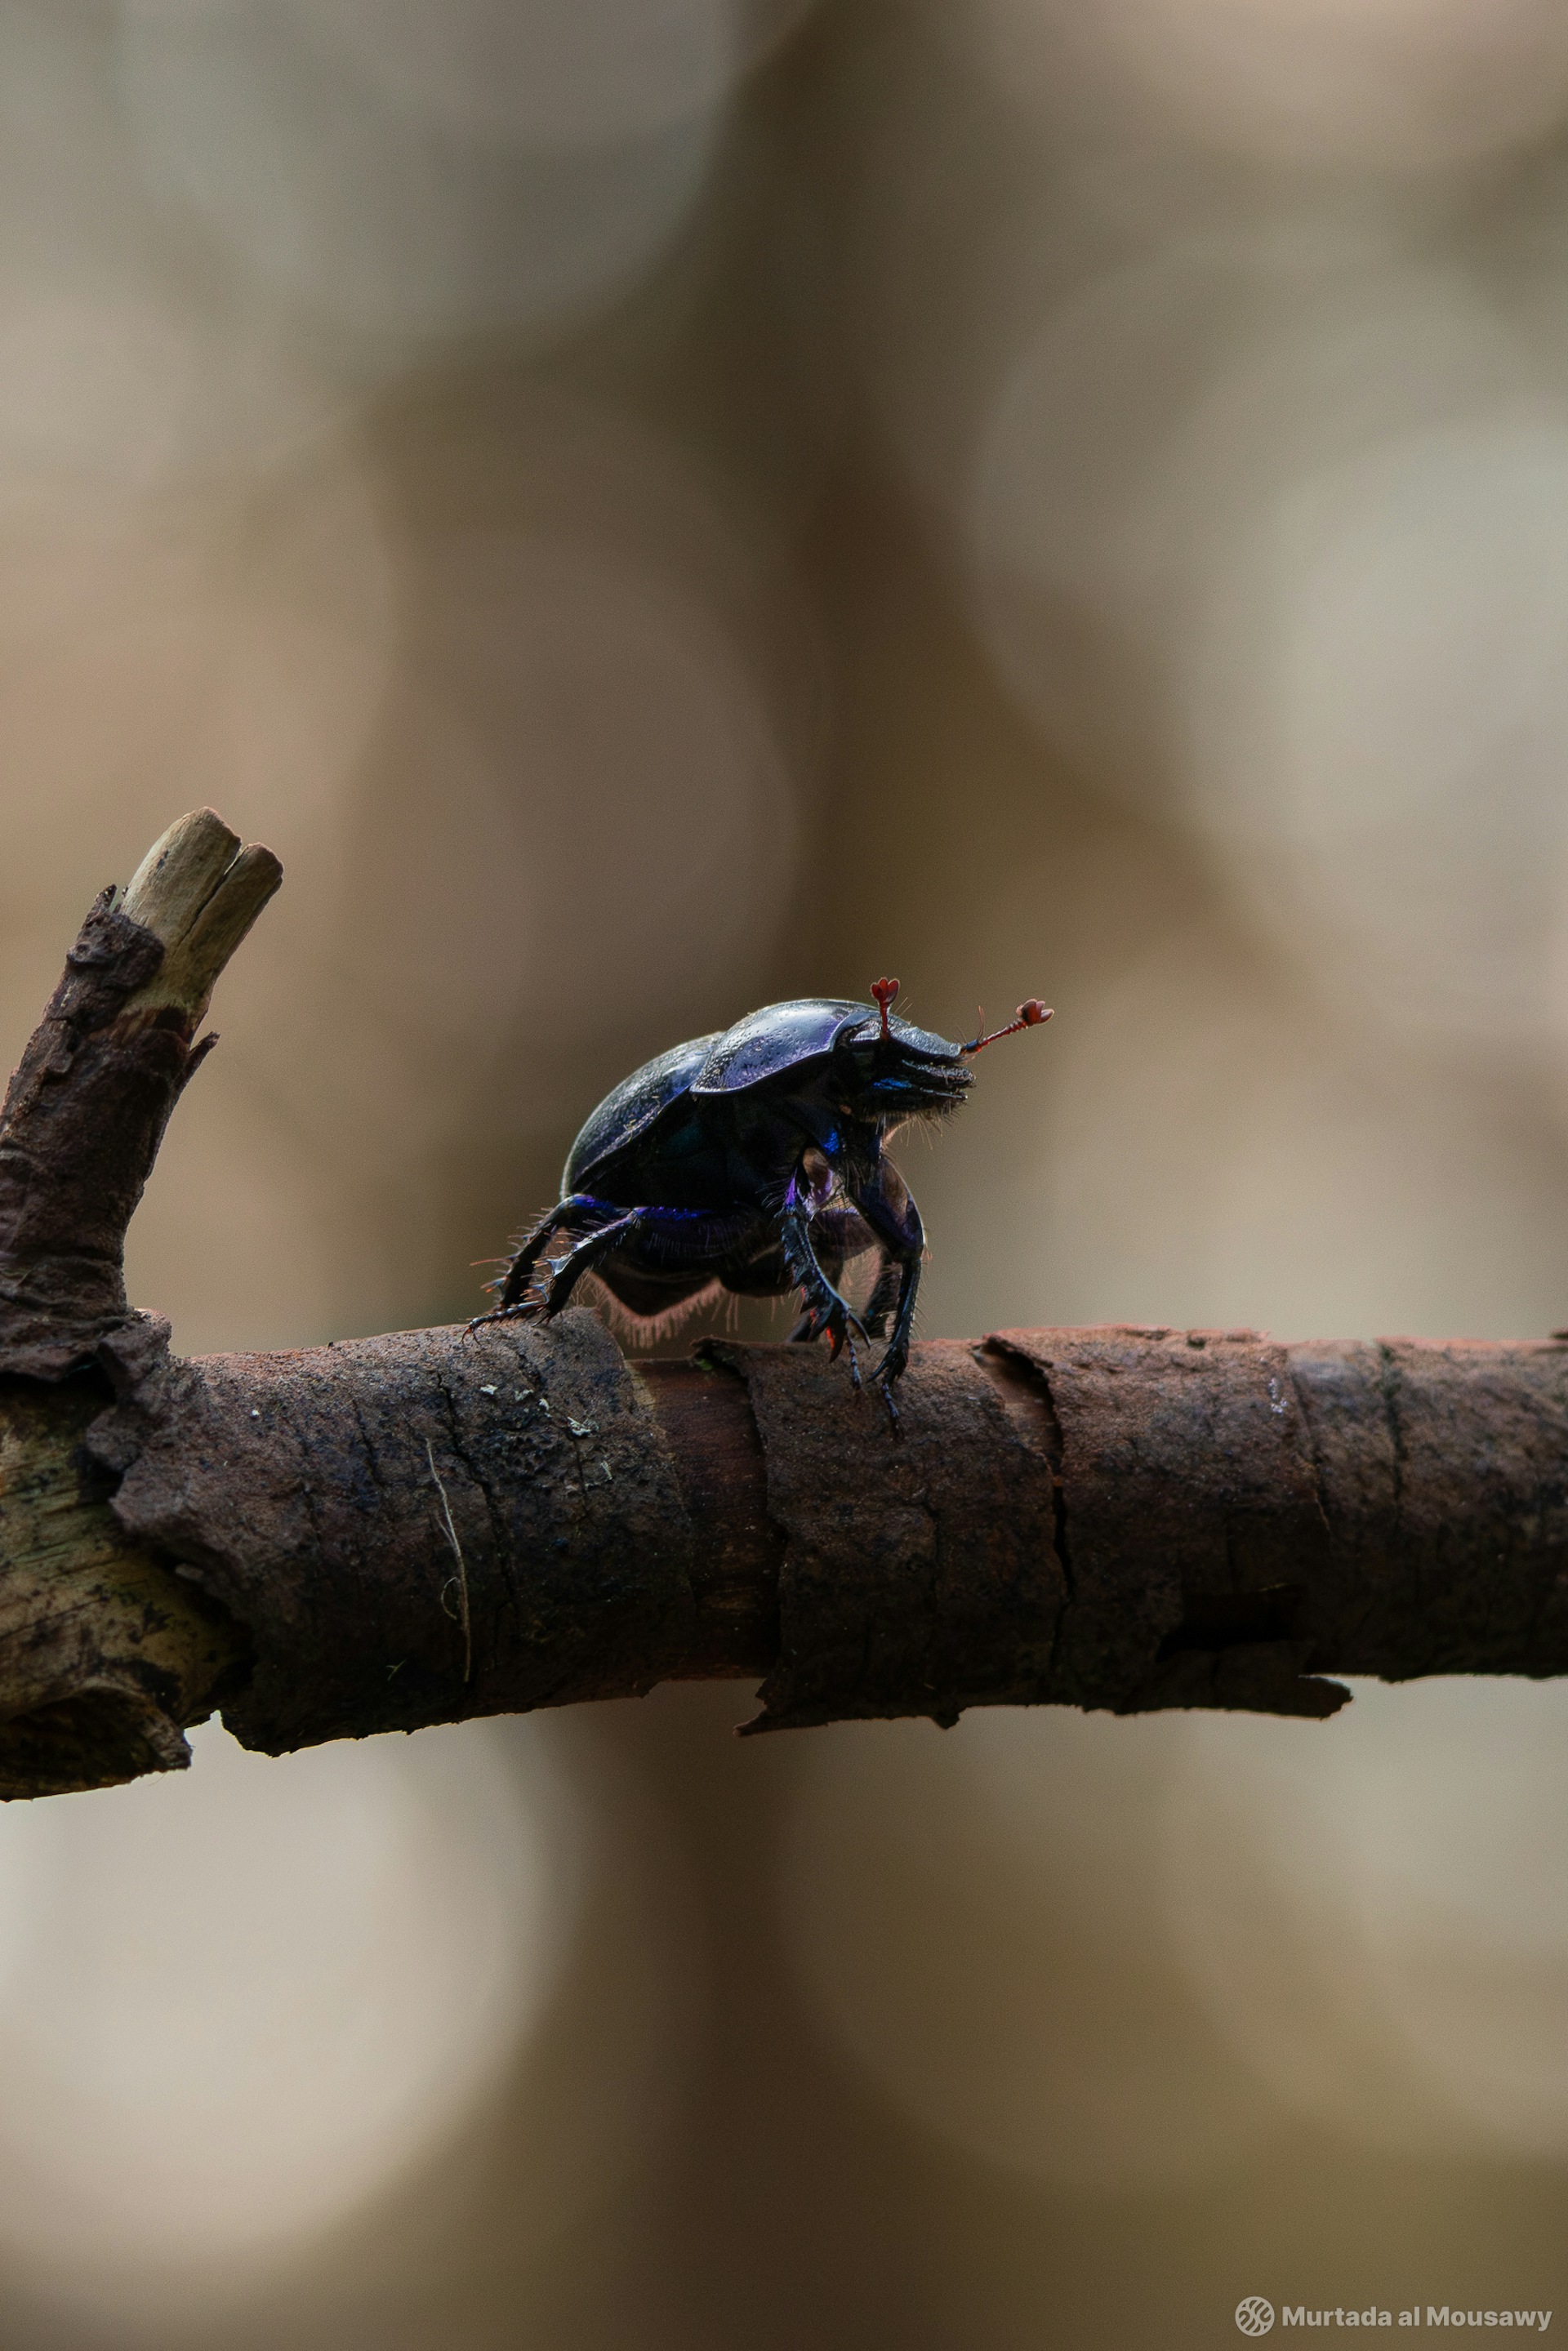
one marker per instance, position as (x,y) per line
(753,1160)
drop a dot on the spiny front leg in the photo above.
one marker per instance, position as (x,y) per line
(826,1309)
(888,1206)
(896,1360)
(885,1295)
(837,1234)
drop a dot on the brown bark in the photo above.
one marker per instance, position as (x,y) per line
(86,1108)
(393,1531)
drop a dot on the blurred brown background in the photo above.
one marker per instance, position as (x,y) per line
(652,505)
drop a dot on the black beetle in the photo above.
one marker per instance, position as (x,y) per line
(753,1160)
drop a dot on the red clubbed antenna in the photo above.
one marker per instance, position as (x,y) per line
(883,991)
(1029,1015)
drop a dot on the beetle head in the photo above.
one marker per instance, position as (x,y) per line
(897,1071)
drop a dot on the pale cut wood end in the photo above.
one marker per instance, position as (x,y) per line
(199,892)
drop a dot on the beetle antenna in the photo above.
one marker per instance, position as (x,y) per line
(1029,1015)
(883,992)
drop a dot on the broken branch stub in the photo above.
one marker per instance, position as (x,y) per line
(104,1652)
(198,892)
(87,1107)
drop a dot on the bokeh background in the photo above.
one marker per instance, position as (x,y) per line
(652,506)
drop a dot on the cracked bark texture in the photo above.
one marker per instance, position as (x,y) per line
(335,1502)
(84,1115)
(393,1531)
(1119,1519)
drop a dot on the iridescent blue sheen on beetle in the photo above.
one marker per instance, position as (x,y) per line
(755,1160)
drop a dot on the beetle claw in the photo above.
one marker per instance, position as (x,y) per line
(522,1310)
(840,1322)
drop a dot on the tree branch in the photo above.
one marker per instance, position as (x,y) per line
(388,1532)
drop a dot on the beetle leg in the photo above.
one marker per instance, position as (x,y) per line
(577,1208)
(837,1233)
(896,1358)
(662,1239)
(567,1271)
(885,1295)
(826,1310)
(888,1207)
